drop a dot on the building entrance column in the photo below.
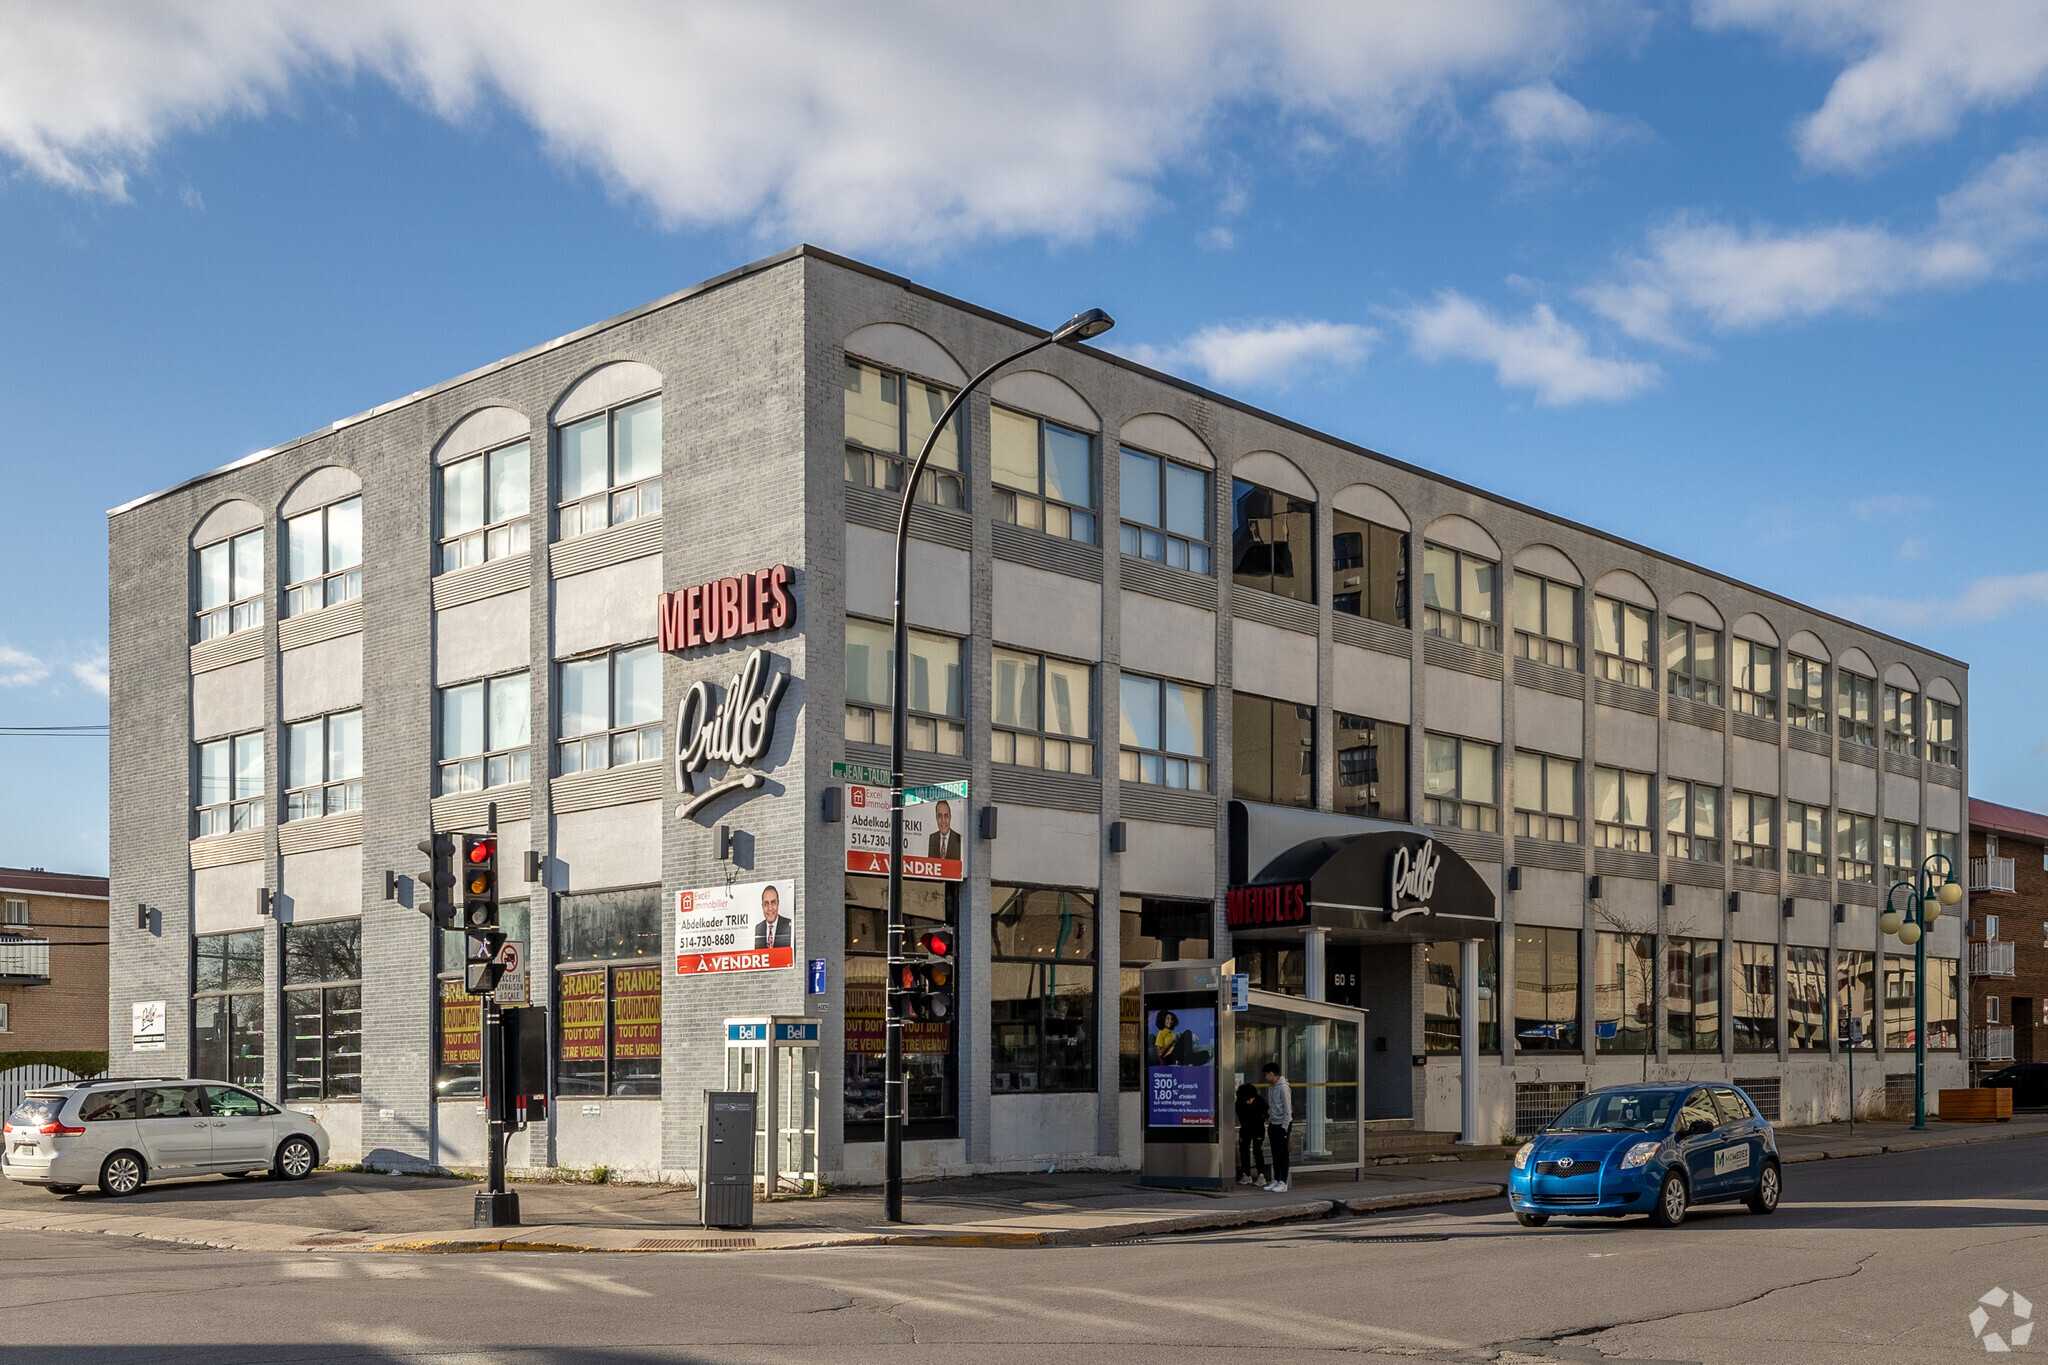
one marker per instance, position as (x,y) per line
(1468,1043)
(1316,968)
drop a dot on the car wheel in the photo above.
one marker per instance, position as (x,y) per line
(121,1174)
(1769,1186)
(1669,1210)
(295,1159)
(64,1189)
(1532,1220)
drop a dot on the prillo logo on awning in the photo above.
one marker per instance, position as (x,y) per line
(1411,879)
(725,609)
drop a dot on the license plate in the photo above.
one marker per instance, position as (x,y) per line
(24,1149)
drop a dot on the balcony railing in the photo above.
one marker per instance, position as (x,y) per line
(1990,959)
(25,961)
(1992,1043)
(1991,874)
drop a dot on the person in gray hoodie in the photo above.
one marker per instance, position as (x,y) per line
(1279,1120)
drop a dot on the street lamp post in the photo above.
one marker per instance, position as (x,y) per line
(1080,327)
(1927,893)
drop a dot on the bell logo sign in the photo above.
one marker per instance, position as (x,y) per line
(725,609)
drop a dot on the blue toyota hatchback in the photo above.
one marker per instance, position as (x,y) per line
(1651,1149)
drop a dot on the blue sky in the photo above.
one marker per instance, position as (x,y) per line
(1757,282)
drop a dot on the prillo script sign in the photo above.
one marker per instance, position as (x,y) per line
(725,608)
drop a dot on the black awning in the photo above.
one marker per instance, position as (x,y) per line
(1390,881)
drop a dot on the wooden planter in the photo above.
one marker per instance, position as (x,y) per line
(1978,1105)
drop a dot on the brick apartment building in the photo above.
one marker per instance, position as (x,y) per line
(53,963)
(2008,936)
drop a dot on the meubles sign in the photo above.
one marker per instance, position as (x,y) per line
(725,608)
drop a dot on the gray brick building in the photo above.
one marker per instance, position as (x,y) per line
(1142,609)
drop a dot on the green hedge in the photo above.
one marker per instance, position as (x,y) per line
(78,1063)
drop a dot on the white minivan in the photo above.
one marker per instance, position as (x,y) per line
(119,1134)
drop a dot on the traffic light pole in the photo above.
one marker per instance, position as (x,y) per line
(496,1207)
(1082,326)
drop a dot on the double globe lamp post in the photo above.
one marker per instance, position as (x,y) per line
(1081,327)
(1932,887)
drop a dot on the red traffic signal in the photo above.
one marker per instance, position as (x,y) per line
(482,849)
(938,942)
(480,881)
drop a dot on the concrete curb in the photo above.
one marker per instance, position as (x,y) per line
(985,1235)
(1902,1145)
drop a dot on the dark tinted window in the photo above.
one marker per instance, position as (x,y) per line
(173,1102)
(610,924)
(225,962)
(1734,1109)
(106,1106)
(332,951)
(1699,1106)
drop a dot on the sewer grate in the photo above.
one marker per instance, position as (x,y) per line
(330,1241)
(1418,1237)
(695,1244)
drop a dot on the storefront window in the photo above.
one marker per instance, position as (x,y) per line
(323,1005)
(1042,990)
(1753,986)
(1547,990)
(931,1060)
(1806,999)
(227,1008)
(1442,995)
(461,1014)
(1856,993)
(1943,1018)
(1625,992)
(1152,931)
(1899,976)
(608,1034)
(1692,994)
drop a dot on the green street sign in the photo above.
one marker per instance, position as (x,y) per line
(861,774)
(914,796)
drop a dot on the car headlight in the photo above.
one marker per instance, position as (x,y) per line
(1639,1154)
(1522,1155)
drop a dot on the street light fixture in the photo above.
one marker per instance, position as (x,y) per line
(1081,327)
(1926,894)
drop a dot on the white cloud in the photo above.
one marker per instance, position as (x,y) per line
(1540,352)
(927,123)
(19,669)
(1540,119)
(93,672)
(1915,68)
(1263,354)
(1890,505)
(1984,599)
(1736,279)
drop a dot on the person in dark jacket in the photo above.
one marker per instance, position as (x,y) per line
(1251,1135)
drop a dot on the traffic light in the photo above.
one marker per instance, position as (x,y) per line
(479,881)
(439,879)
(925,985)
(484,968)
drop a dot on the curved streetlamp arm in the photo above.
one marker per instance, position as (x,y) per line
(1081,326)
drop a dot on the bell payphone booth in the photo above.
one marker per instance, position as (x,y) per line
(1185,1040)
(775,1057)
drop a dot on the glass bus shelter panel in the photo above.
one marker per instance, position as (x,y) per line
(1320,1057)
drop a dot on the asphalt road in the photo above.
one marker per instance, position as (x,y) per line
(1874,1260)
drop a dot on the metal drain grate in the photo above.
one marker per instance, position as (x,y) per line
(695,1244)
(1418,1237)
(330,1241)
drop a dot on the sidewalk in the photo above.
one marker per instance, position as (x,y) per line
(353,1211)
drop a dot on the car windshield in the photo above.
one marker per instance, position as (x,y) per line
(1616,1111)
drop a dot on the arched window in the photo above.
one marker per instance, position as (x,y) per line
(231,584)
(323,561)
